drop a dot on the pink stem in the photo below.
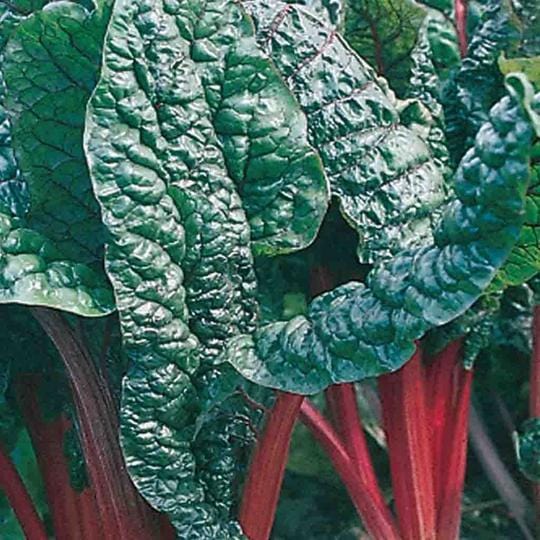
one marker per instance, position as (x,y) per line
(378,521)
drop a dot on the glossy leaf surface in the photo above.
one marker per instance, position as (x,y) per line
(382,172)
(47,77)
(359,331)
(198,154)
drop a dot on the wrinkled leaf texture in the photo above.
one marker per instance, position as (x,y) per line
(51,239)
(359,331)
(382,172)
(199,155)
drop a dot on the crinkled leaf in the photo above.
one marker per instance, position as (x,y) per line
(34,272)
(527,445)
(189,125)
(443,42)
(479,83)
(50,65)
(424,86)
(358,331)
(528,13)
(524,261)
(330,11)
(382,172)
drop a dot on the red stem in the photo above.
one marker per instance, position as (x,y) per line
(125,516)
(534,399)
(405,421)
(461,8)
(377,520)
(19,499)
(454,461)
(341,399)
(441,387)
(267,468)
(69,510)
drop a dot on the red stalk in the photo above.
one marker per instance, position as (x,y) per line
(406,426)
(534,398)
(461,8)
(265,476)
(19,499)
(441,387)
(70,510)
(341,399)
(454,461)
(377,520)
(125,516)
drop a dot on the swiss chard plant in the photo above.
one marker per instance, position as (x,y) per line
(222,219)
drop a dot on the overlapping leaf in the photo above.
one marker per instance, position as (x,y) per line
(50,229)
(524,261)
(50,67)
(384,32)
(358,331)
(189,126)
(478,84)
(382,172)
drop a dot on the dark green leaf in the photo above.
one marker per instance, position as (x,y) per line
(50,67)
(478,84)
(382,172)
(527,443)
(34,272)
(359,331)
(330,11)
(189,125)
(524,261)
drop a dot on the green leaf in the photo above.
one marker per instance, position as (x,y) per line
(524,261)
(527,446)
(34,272)
(382,172)
(330,11)
(50,228)
(189,126)
(358,331)
(13,190)
(479,83)
(384,32)
(50,67)
(528,66)
(528,14)
(424,86)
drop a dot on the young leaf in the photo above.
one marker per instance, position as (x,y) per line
(189,125)
(359,331)
(382,172)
